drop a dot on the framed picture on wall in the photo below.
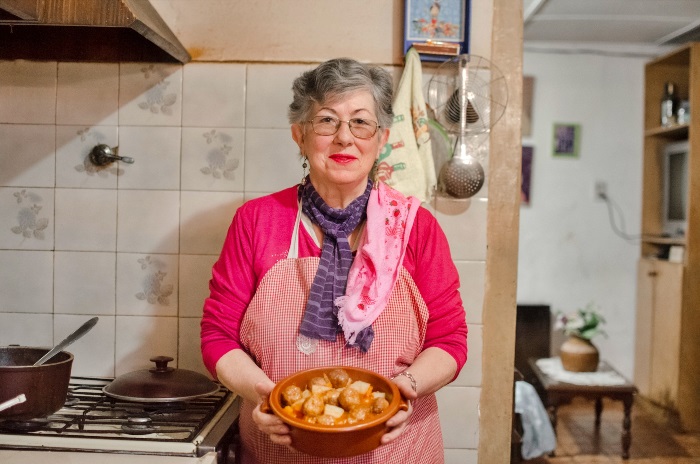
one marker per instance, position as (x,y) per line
(567,139)
(528,91)
(437,29)
(526,175)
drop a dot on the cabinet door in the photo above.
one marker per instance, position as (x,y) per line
(643,331)
(666,281)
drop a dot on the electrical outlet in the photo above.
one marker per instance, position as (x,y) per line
(600,190)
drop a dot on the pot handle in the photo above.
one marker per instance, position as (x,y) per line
(265,405)
(404,404)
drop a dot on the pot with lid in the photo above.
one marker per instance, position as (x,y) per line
(160,384)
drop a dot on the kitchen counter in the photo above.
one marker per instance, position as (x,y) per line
(70,457)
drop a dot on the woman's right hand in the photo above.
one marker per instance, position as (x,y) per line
(270,424)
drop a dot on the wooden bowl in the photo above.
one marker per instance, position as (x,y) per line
(336,441)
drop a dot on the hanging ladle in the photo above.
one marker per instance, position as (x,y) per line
(82,330)
(463,176)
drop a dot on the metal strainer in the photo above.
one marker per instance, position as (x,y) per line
(462,176)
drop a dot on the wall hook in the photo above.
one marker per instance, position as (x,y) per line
(102,155)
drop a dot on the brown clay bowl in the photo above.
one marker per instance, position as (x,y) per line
(336,441)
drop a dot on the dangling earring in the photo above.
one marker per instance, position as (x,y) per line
(304,166)
(375,177)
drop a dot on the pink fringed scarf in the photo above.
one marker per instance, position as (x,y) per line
(373,273)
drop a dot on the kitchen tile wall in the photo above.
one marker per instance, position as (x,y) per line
(134,243)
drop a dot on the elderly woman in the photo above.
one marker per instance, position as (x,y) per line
(338,270)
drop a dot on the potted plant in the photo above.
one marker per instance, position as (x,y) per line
(578,353)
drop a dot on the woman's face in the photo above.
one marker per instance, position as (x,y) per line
(342,160)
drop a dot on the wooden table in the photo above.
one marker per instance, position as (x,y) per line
(557,393)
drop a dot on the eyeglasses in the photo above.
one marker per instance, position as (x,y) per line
(359,127)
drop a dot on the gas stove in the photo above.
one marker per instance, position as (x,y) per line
(91,421)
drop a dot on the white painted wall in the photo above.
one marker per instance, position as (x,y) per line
(569,254)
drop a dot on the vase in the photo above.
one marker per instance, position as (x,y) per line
(579,355)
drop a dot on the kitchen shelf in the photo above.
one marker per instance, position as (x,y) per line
(667,351)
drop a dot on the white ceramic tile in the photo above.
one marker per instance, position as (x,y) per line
(84,282)
(26,329)
(148,221)
(461,456)
(206,217)
(139,338)
(73,165)
(213,94)
(87,93)
(189,351)
(269,93)
(470,376)
(464,223)
(27,155)
(86,220)
(93,353)
(156,154)
(27,218)
(272,160)
(459,416)
(212,159)
(28,92)
(472,280)
(150,94)
(26,281)
(147,284)
(195,272)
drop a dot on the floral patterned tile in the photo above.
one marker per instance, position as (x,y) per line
(73,165)
(28,92)
(156,154)
(139,338)
(27,155)
(213,94)
(27,218)
(195,272)
(206,217)
(148,221)
(26,281)
(86,220)
(87,93)
(212,159)
(147,284)
(94,352)
(150,94)
(84,282)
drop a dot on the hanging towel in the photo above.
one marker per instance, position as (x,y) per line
(406,161)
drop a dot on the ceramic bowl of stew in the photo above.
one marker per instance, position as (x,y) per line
(349,437)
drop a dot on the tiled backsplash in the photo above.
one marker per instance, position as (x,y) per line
(134,243)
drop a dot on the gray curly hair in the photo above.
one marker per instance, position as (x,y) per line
(338,77)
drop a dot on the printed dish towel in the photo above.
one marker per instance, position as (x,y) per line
(406,162)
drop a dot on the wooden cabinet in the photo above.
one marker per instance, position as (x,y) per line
(667,351)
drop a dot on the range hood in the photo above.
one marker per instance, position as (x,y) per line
(86,30)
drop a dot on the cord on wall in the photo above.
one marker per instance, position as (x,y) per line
(612,208)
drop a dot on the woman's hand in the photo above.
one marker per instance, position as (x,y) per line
(270,424)
(398,423)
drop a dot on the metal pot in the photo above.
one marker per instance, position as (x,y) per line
(160,384)
(45,386)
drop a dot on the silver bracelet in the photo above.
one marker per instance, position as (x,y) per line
(409,376)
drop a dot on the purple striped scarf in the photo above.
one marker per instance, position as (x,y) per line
(320,319)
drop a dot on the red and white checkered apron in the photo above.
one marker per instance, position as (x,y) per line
(269,331)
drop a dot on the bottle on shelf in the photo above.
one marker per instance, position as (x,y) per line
(669,105)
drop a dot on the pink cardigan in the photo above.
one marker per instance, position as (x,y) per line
(259,236)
